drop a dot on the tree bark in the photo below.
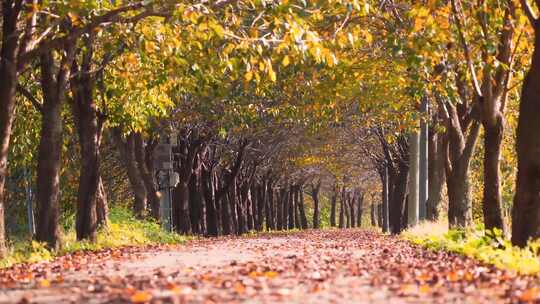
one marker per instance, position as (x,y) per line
(342,208)
(436,174)
(315,188)
(291,207)
(526,209)
(102,206)
(89,124)
(352,206)
(333,203)
(127,155)
(209,199)
(301,208)
(261,204)
(152,195)
(270,207)
(457,177)
(413,205)
(385,199)
(195,200)
(492,200)
(373,214)
(53,81)
(9,67)
(462,132)
(359,210)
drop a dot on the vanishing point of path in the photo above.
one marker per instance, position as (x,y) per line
(332,266)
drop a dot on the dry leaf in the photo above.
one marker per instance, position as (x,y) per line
(141,297)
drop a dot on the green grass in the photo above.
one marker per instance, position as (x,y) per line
(489,247)
(123,230)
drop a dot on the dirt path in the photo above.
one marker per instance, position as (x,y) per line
(336,266)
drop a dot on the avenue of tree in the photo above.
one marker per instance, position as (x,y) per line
(287,114)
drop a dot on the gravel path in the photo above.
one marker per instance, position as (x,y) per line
(331,266)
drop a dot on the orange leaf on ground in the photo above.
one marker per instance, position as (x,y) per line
(141,297)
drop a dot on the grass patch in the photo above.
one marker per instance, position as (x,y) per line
(123,230)
(489,247)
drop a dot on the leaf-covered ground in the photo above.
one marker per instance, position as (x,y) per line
(333,266)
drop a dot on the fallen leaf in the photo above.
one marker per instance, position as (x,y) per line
(44,283)
(141,297)
(271,274)
(529,295)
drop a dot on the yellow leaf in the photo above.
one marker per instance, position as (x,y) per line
(285,61)
(44,283)
(272,75)
(248,76)
(271,274)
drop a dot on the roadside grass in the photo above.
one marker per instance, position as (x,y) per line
(123,230)
(489,247)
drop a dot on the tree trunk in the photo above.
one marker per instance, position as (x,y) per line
(342,208)
(291,207)
(9,76)
(102,206)
(296,201)
(226,219)
(48,167)
(89,126)
(414,161)
(235,215)
(492,200)
(270,207)
(127,155)
(436,174)
(373,215)
(152,196)
(397,198)
(359,210)
(181,202)
(352,206)
(211,210)
(458,151)
(333,203)
(280,198)
(346,205)
(385,199)
(423,183)
(53,82)
(301,208)
(526,209)
(315,196)
(458,185)
(261,204)
(195,202)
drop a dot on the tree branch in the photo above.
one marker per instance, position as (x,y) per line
(24,92)
(529,12)
(466,49)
